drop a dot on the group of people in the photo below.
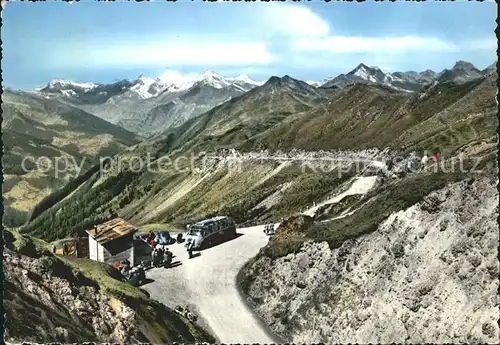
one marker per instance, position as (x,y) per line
(135,275)
(269,229)
(161,256)
(123,266)
(423,161)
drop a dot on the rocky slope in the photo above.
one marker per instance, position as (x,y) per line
(245,116)
(53,299)
(429,273)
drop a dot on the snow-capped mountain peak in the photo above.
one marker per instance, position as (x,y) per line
(146,87)
(177,82)
(210,75)
(145,80)
(217,81)
(246,79)
(362,72)
(61,84)
(213,79)
(317,83)
(370,74)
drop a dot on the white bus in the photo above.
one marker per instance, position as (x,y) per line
(210,232)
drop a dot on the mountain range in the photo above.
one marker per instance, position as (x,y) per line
(148,106)
(214,111)
(350,214)
(284,114)
(409,81)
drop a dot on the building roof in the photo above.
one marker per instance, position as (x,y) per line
(111,230)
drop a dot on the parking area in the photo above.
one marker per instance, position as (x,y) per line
(207,284)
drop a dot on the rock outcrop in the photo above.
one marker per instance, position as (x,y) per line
(90,314)
(428,274)
(51,299)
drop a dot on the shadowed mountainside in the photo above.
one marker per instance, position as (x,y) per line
(39,132)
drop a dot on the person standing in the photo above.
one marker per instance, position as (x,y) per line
(167,257)
(190,249)
(159,250)
(409,164)
(424,160)
(154,255)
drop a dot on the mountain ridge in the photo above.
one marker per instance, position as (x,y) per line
(150,106)
(409,81)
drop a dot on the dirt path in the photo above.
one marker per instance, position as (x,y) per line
(207,284)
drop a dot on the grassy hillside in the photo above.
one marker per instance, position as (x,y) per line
(254,192)
(243,117)
(35,299)
(36,127)
(441,118)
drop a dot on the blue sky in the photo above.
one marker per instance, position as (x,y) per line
(105,42)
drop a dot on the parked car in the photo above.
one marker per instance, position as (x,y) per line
(163,237)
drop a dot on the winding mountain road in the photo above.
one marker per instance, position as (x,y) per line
(207,283)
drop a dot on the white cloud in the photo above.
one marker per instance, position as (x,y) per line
(255,36)
(352,44)
(291,20)
(483,44)
(257,39)
(176,77)
(161,52)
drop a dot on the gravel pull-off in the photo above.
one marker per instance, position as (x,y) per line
(429,274)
